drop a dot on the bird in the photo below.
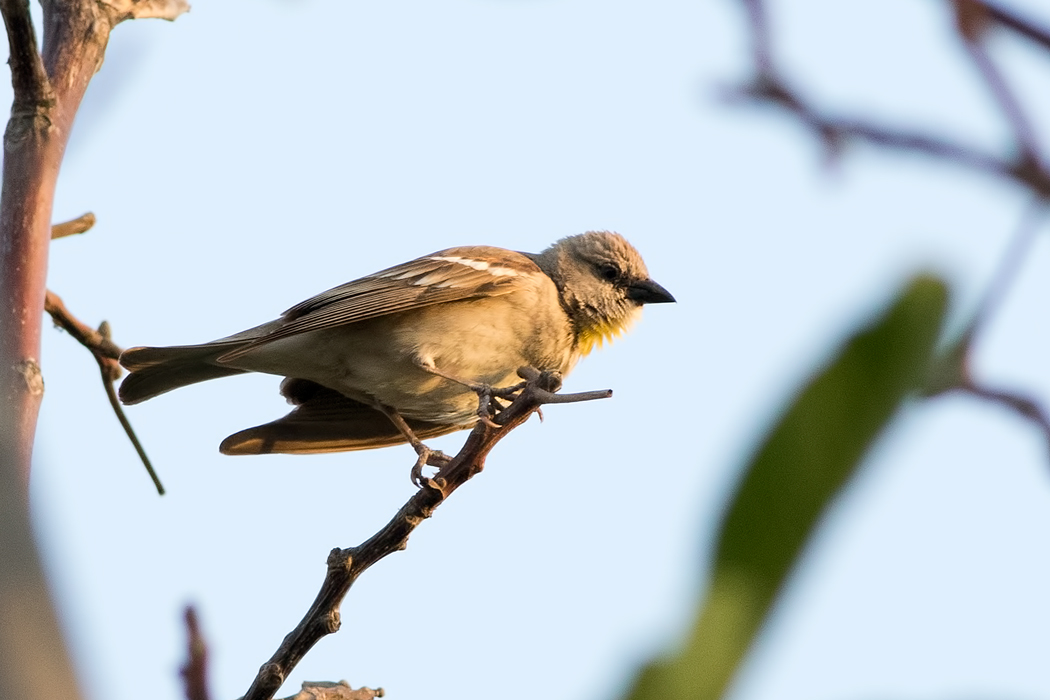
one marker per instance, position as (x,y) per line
(401,355)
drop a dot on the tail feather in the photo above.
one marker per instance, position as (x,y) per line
(155,371)
(326,421)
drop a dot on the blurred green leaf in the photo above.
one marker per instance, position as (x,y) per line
(796,471)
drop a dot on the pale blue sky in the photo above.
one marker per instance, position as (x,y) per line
(255,153)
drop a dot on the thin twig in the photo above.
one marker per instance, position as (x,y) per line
(346,565)
(106,353)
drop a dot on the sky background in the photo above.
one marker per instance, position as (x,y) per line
(257,152)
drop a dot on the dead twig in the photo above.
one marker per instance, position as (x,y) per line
(346,565)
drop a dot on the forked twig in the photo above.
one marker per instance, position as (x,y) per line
(106,354)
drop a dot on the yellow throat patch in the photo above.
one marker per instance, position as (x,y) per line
(596,336)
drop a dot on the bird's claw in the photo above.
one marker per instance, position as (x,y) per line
(427,457)
(488,406)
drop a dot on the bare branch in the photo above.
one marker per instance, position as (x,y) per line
(81,224)
(346,565)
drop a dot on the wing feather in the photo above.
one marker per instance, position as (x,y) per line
(455,274)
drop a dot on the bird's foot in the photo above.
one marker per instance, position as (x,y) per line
(489,398)
(427,458)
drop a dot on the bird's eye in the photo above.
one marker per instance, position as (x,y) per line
(609,272)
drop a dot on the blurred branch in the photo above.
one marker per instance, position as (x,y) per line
(346,565)
(1025,28)
(34,663)
(1024,167)
(836,132)
(972,21)
(952,372)
(106,354)
(1021,405)
(195,672)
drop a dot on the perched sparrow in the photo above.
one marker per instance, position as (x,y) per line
(415,341)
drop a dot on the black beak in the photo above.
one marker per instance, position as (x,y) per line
(648,292)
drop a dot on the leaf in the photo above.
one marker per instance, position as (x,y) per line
(797,470)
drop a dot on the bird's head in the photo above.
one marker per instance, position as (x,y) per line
(603,284)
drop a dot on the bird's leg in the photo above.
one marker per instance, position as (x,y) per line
(426,456)
(487,408)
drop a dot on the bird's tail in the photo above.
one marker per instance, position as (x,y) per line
(155,371)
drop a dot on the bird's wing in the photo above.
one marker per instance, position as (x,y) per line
(454,274)
(327,421)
